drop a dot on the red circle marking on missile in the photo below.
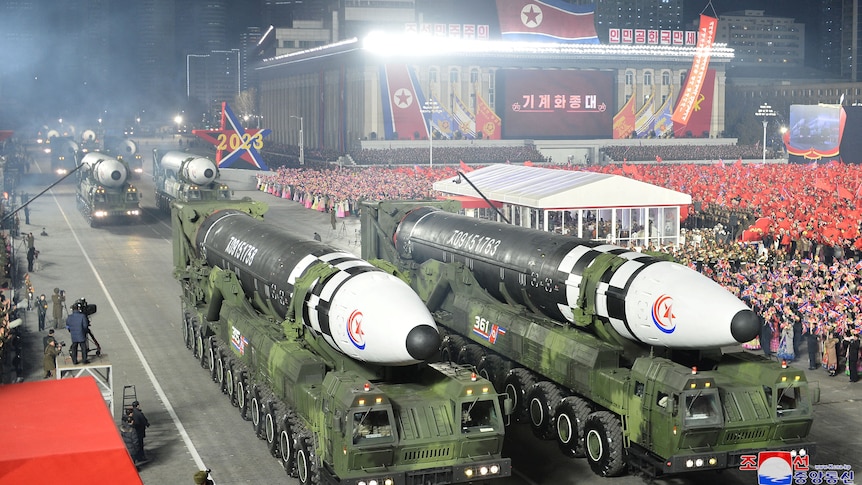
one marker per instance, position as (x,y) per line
(354,330)
(662,314)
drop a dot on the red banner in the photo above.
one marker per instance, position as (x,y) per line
(486,120)
(689,96)
(624,121)
(701,115)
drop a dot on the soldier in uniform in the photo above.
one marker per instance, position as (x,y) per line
(58,299)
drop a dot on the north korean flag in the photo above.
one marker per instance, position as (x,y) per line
(402,102)
(546,21)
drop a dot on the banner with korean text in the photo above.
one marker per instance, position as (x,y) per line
(689,95)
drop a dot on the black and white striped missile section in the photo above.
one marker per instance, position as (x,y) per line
(645,299)
(360,310)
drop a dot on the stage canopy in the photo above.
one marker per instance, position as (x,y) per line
(544,188)
(61,431)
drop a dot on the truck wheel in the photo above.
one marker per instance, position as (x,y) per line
(306,467)
(450,347)
(542,400)
(494,368)
(470,354)
(270,429)
(196,344)
(603,440)
(242,395)
(230,383)
(572,413)
(286,446)
(517,382)
(220,370)
(255,411)
(187,329)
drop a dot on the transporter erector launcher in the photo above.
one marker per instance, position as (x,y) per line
(634,295)
(360,310)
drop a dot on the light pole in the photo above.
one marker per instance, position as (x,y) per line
(430,107)
(765,112)
(301,141)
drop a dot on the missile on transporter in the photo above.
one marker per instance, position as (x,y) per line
(358,309)
(105,170)
(642,298)
(190,168)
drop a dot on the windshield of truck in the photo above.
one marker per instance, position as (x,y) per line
(702,409)
(789,402)
(372,426)
(478,416)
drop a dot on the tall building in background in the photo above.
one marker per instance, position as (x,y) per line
(851,39)
(160,74)
(827,53)
(247,42)
(213,78)
(761,39)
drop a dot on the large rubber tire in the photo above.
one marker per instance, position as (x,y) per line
(255,410)
(198,345)
(516,384)
(603,439)
(494,368)
(287,446)
(187,332)
(270,429)
(242,395)
(230,381)
(211,357)
(542,400)
(220,370)
(306,466)
(470,354)
(571,417)
(450,346)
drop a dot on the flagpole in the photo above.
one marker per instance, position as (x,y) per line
(430,107)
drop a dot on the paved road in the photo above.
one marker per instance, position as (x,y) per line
(126,271)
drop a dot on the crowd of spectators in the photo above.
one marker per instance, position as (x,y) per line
(449,155)
(714,153)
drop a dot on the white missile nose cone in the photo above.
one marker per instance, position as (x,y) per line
(745,326)
(422,342)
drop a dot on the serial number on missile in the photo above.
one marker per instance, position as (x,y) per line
(476,243)
(241,250)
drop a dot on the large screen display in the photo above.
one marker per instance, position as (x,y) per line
(555,104)
(814,127)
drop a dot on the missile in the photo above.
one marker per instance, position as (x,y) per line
(190,168)
(643,298)
(358,309)
(106,170)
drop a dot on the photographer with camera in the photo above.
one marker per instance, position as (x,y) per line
(78,325)
(49,362)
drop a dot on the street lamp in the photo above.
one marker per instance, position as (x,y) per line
(430,107)
(765,112)
(301,141)
(179,121)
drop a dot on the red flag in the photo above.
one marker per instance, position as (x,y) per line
(486,120)
(842,192)
(689,96)
(859,191)
(528,163)
(624,121)
(464,166)
(546,21)
(823,185)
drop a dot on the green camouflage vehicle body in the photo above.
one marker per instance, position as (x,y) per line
(619,404)
(326,417)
